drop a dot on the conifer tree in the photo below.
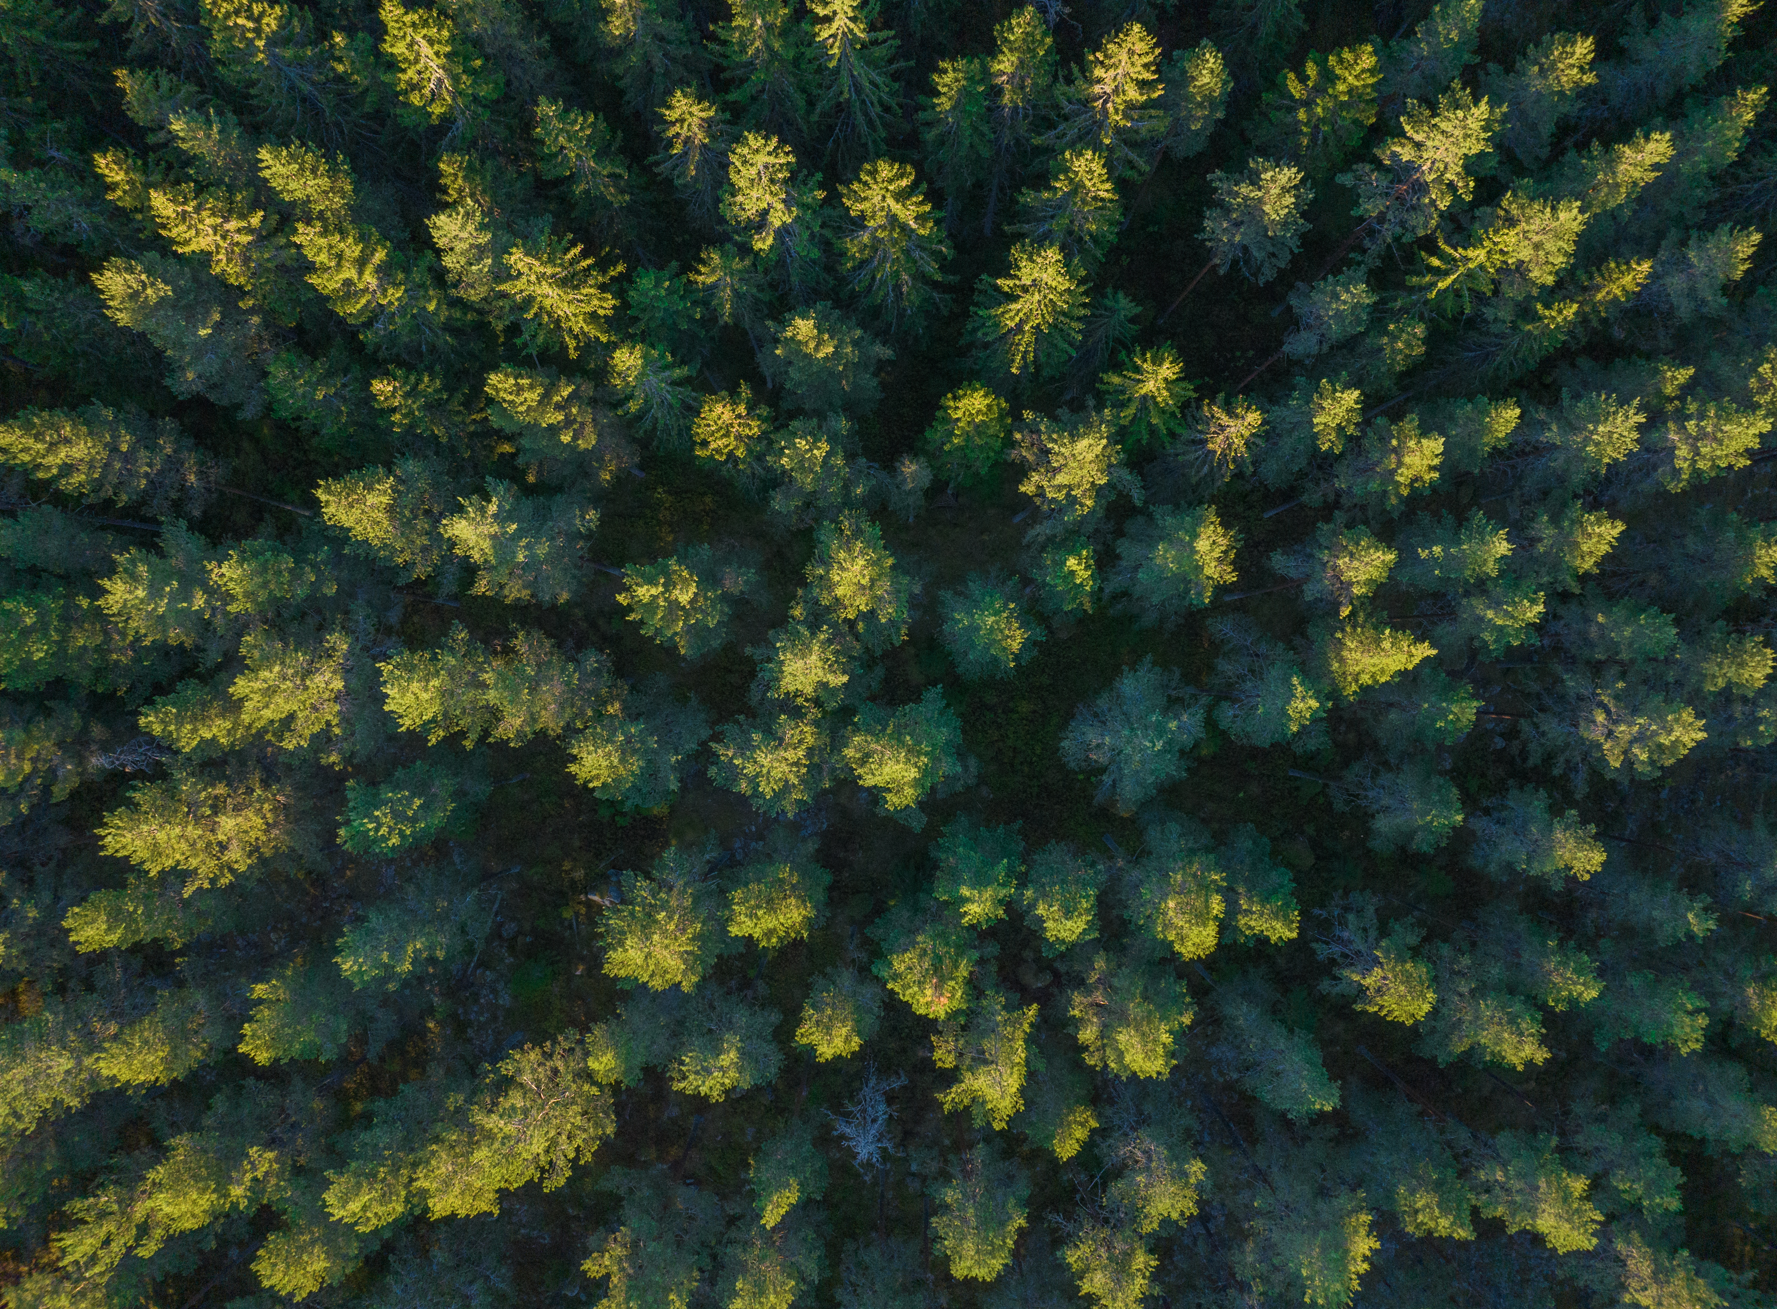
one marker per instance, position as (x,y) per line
(1110,105)
(1028,321)
(1134,735)
(957,130)
(892,247)
(772,58)
(859,92)
(981,1210)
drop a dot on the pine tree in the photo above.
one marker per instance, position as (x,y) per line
(981,1210)
(1134,735)
(683,600)
(1109,106)
(772,59)
(652,49)
(1028,321)
(969,434)
(694,154)
(907,754)
(1021,75)
(580,148)
(957,132)
(437,73)
(1173,561)
(662,932)
(860,91)
(978,869)
(1075,470)
(826,363)
(1146,397)
(1077,212)
(778,215)
(988,1049)
(985,628)
(1128,1015)
(892,248)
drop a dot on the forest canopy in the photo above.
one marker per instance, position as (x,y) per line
(733,654)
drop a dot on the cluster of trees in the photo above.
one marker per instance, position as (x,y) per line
(887,653)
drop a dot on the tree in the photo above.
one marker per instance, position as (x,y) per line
(907,754)
(661,932)
(985,628)
(860,92)
(652,50)
(1156,1186)
(957,131)
(1146,396)
(437,73)
(654,393)
(1193,98)
(98,454)
(210,829)
(1256,223)
(1061,893)
(1110,1261)
(1439,48)
(1172,561)
(772,58)
(683,600)
(1424,170)
(1177,886)
(1520,836)
(659,1253)
(826,363)
(778,215)
(1021,78)
(563,433)
(777,901)
(803,666)
(523,547)
(208,342)
(1331,311)
(840,1014)
(852,576)
(978,869)
(1380,970)
(726,1048)
(1078,212)
(969,433)
(786,1170)
(416,804)
(1525,1186)
(1110,105)
(981,1210)
(633,751)
(1127,1016)
(928,961)
(1134,734)
(1075,469)
(1280,1066)
(694,150)
(1541,88)
(988,1049)
(1027,322)
(580,148)
(1223,439)
(779,765)
(729,432)
(560,296)
(893,249)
